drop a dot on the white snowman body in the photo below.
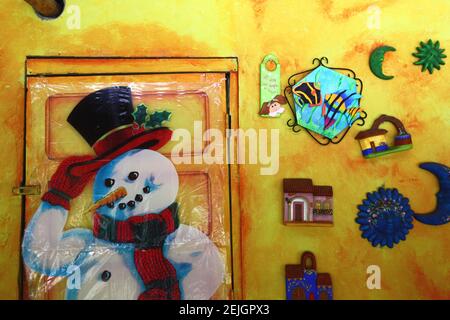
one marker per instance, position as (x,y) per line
(106,270)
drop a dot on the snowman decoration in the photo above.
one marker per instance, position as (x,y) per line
(137,248)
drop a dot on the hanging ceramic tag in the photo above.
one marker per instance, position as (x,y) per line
(271,100)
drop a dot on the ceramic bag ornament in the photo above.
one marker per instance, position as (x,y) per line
(303,282)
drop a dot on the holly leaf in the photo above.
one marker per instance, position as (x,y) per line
(140,114)
(156,119)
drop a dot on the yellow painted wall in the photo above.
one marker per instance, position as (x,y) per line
(297,31)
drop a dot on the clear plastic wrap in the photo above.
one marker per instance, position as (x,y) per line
(65,256)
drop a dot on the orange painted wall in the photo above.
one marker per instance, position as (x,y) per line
(297,31)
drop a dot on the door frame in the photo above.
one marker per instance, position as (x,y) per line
(70,66)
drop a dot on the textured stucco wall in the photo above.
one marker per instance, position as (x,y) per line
(297,31)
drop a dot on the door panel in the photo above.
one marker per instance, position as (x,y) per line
(186,106)
(299,211)
(204,201)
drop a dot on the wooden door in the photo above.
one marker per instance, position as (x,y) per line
(205,193)
(298,294)
(299,211)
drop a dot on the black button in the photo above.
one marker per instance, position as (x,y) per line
(133,175)
(131,204)
(122,206)
(106,275)
(138,198)
(110,205)
(109,182)
(146,189)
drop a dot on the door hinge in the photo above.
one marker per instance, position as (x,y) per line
(27,190)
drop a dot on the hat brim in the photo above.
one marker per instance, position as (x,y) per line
(150,139)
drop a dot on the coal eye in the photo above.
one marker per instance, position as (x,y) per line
(106,275)
(133,175)
(109,182)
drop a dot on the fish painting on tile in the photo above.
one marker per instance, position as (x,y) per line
(326,101)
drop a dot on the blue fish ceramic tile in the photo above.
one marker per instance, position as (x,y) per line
(326,101)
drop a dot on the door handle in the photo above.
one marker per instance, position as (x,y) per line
(29,190)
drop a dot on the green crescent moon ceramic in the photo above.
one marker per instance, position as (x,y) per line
(376,61)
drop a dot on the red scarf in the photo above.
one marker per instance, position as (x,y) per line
(148,233)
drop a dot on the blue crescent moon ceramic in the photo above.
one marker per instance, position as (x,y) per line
(385,217)
(441,214)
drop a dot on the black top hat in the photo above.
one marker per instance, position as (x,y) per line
(101,112)
(104,119)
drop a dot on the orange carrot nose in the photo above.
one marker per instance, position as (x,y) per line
(110,197)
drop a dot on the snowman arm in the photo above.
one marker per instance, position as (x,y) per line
(47,248)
